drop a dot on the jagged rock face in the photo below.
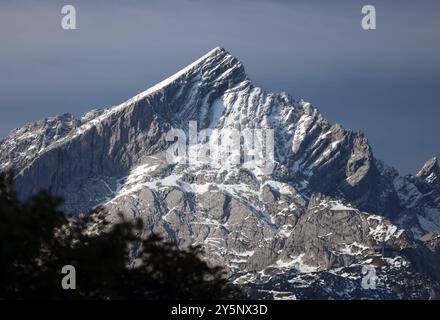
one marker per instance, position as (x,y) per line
(430,172)
(327,209)
(397,281)
(24,144)
(432,240)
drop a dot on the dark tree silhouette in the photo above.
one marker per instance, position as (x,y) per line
(111,261)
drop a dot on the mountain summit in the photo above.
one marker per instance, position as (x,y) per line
(307,230)
(430,171)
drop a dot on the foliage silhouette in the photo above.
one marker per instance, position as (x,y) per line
(111,261)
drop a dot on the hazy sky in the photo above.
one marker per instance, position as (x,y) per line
(384,82)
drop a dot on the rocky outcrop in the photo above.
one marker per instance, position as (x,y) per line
(430,172)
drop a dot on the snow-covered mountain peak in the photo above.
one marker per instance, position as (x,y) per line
(430,171)
(325,208)
(217,58)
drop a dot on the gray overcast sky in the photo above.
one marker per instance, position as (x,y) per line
(384,82)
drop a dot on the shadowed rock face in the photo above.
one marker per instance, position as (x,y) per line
(328,208)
